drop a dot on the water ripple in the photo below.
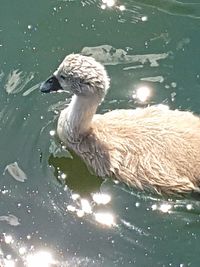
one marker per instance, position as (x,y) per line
(17,80)
(174,7)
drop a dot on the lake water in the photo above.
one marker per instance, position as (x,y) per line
(53,211)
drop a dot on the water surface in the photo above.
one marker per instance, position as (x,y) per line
(53,211)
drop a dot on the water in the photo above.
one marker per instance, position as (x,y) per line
(53,211)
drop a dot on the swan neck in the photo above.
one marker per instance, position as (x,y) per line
(79,115)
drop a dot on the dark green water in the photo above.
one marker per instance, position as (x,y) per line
(46,213)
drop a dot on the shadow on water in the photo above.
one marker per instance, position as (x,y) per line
(73,172)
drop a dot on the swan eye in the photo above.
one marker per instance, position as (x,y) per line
(62,77)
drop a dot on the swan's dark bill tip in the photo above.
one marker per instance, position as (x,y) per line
(50,85)
(43,88)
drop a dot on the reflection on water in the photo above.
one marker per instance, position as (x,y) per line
(40,259)
(142,93)
(112,3)
(84,185)
(89,202)
(87,208)
(108,3)
(67,171)
(29,256)
(101,198)
(171,7)
(105,218)
(174,7)
(163,207)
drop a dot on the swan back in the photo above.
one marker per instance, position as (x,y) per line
(150,148)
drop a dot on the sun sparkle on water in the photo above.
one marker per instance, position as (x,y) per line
(40,259)
(165,207)
(112,3)
(9,263)
(100,198)
(142,93)
(105,218)
(8,239)
(109,3)
(122,8)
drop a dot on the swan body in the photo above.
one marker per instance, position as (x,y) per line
(154,148)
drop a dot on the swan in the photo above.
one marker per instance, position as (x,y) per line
(152,148)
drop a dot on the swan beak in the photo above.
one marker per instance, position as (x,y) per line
(50,85)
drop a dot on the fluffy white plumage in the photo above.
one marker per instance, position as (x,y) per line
(152,148)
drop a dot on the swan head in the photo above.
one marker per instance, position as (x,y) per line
(82,75)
